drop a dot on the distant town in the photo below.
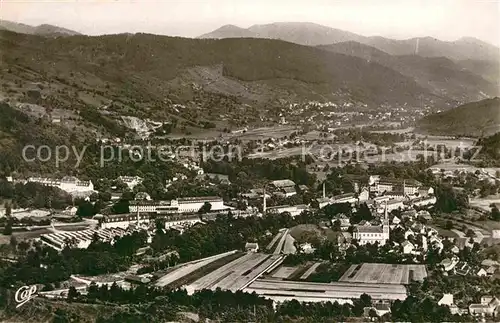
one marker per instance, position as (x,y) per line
(285,172)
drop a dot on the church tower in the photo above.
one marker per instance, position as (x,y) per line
(385,224)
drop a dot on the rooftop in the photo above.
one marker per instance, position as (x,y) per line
(198,199)
(369,229)
(283,183)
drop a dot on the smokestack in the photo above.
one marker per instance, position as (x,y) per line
(138,205)
(324,190)
(264,201)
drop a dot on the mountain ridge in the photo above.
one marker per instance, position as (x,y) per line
(440,75)
(42,30)
(475,119)
(312,34)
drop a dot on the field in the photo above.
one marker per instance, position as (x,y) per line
(289,247)
(189,268)
(284,272)
(384,273)
(281,242)
(263,133)
(449,142)
(343,292)
(278,153)
(275,239)
(405,130)
(237,274)
(484,203)
(310,270)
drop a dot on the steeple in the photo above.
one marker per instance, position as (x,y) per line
(385,223)
(386,215)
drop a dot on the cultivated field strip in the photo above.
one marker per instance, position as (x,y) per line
(284,272)
(189,268)
(279,247)
(311,270)
(275,239)
(289,247)
(238,273)
(325,291)
(384,273)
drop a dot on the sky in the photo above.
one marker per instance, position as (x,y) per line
(399,19)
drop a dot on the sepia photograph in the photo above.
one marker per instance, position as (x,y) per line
(249,161)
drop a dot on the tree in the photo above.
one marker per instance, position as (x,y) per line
(470,234)
(13,241)
(495,214)
(7,230)
(205,208)
(448,199)
(336,226)
(8,210)
(72,293)
(363,213)
(85,210)
(121,207)
(373,313)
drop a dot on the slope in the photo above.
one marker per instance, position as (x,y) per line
(17,130)
(474,119)
(43,30)
(143,66)
(463,48)
(440,75)
(303,33)
(306,33)
(229,31)
(489,70)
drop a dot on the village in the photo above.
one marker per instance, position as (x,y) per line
(389,216)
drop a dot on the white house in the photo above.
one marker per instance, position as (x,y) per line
(130,181)
(394,205)
(364,195)
(449,264)
(481,273)
(252,246)
(436,242)
(344,198)
(425,191)
(69,184)
(409,233)
(447,300)
(407,247)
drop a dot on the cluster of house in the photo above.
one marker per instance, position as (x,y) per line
(488,306)
(130,181)
(417,236)
(125,221)
(394,193)
(69,184)
(454,265)
(451,171)
(410,192)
